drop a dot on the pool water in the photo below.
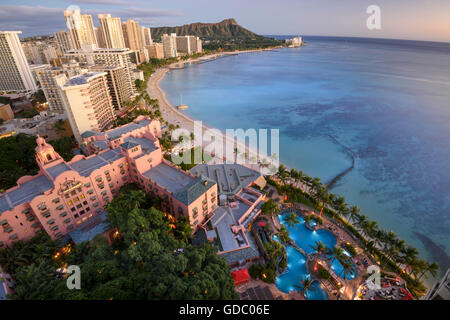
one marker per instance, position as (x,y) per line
(306,239)
(295,273)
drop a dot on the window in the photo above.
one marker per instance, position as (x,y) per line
(76,199)
(46,214)
(56,200)
(195,222)
(87,185)
(73,192)
(76,216)
(96,204)
(54,228)
(82,212)
(79,206)
(63,214)
(90,191)
(88,209)
(35,225)
(43,207)
(59,234)
(51,221)
(67,220)
(70,227)
(72,209)
(30,218)
(60,207)
(26,211)
(93,198)
(85,202)
(14,236)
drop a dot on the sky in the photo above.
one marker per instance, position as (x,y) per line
(400,19)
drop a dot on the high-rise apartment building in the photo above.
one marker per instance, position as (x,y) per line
(109,58)
(119,88)
(155,50)
(81,28)
(170,45)
(146,36)
(50,88)
(100,39)
(15,73)
(132,35)
(63,40)
(87,102)
(111,30)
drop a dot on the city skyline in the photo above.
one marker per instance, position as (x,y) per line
(410,20)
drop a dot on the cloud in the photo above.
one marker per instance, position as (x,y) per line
(41,20)
(106,2)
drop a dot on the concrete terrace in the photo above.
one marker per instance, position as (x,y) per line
(86,166)
(230,178)
(114,133)
(168,177)
(26,192)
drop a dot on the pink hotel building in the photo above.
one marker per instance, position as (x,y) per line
(63,195)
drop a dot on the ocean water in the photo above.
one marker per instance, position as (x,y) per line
(384,102)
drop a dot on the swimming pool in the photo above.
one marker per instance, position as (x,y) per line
(306,239)
(295,273)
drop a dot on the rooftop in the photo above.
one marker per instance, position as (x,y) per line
(58,169)
(230,178)
(86,166)
(166,176)
(118,132)
(82,79)
(26,192)
(147,145)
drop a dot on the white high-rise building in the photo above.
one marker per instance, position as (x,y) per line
(132,35)
(170,45)
(146,36)
(87,102)
(15,73)
(81,28)
(108,58)
(111,29)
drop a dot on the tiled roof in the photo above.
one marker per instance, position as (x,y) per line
(194,190)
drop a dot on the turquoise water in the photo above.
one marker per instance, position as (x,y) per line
(295,273)
(386,101)
(306,239)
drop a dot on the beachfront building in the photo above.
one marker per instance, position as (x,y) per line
(87,102)
(81,29)
(132,35)
(170,45)
(63,195)
(113,57)
(146,36)
(47,80)
(189,44)
(111,31)
(15,73)
(155,50)
(119,88)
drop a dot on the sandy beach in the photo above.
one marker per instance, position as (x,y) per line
(176,117)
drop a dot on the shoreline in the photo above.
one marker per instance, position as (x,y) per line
(176,117)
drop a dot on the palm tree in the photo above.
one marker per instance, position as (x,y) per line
(283,234)
(292,220)
(354,211)
(347,269)
(431,268)
(305,285)
(320,248)
(338,253)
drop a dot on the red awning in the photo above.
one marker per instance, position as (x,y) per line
(240,276)
(262,224)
